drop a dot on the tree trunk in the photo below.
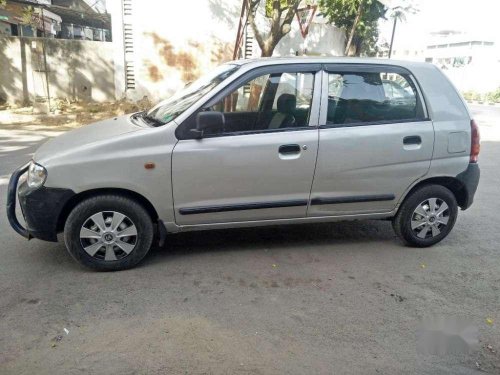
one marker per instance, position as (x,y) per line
(353,28)
(356,43)
(279,28)
(392,36)
(251,20)
(267,52)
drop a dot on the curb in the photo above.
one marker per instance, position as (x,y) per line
(482,103)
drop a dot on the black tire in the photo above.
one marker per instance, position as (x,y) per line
(402,221)
(109,203)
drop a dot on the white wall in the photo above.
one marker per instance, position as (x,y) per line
(77,69)
(322,40)
(114,7)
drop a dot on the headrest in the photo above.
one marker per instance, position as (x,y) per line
(286,103)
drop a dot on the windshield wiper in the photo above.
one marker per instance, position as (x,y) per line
(151,120)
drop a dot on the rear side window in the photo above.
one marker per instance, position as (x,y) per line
(361,98)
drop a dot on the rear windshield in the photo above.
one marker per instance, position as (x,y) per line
(172,107)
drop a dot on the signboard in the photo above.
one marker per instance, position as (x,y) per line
(305,17)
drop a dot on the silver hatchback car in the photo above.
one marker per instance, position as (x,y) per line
(259,142)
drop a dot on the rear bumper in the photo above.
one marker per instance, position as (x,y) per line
(470,180)
(41,208)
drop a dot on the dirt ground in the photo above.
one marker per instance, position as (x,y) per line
(68,115)
(341,298)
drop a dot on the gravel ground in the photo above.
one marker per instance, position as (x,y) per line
(342,298)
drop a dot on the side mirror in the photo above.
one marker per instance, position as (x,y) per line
(208,122)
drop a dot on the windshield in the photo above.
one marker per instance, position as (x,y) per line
(169,109)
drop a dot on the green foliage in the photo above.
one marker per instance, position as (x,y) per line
(366,41)
(401,11)
(284,4)
(489,97)
(342,13)
(28,16)
(270,3)
(469,95)
(493,96)
(3,3)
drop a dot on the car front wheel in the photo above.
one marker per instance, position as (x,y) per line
(426,216)
(108,233)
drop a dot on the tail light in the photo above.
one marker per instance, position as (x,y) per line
(475,142)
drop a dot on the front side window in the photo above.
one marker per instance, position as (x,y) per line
(246,98)
(368,97)
(268,102)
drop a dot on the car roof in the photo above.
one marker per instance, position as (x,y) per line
(263,61)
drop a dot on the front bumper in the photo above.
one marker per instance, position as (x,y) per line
(41,208)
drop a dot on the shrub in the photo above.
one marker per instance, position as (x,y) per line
(468,95)
(493,96)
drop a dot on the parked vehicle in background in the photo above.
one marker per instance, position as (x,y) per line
(259,142)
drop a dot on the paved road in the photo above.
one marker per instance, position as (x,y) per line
(343,298)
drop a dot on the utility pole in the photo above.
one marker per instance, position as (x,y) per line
(392,36)
(44,49)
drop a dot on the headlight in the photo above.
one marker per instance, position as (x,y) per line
(36,175)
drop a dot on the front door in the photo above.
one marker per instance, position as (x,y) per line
(375,140)
(260,166)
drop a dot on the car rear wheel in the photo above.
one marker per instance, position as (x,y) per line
(108,233)
(426,216)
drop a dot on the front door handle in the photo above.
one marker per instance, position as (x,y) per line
(412,140)
(289,149)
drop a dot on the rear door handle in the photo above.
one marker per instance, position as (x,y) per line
(412,140)
(289,149)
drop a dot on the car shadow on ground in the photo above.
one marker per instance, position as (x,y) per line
(340,237)
(281,237)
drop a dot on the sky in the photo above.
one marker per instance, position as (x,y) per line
(478,17)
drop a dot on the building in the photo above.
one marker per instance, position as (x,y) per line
(53,51)
(471,61)
(13,20)
(62,19)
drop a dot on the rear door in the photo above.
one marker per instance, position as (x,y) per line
(261,166)
(375,140)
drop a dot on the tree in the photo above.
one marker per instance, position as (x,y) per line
(366,42)
(360,20)
(28,18)
(399,13)
(281,13)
